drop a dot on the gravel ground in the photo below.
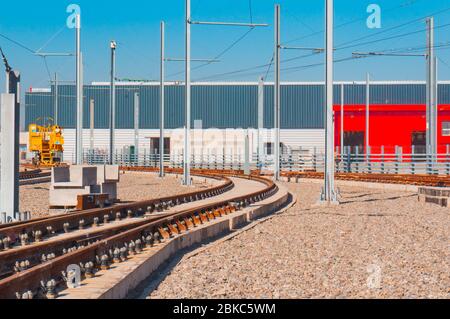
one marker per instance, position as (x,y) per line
(375,245)
(132,187)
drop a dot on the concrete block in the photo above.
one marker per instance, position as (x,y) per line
(110,189)
(67,197)
(9,140)
(60,175)
(84,175)
(69,182)
(108,173)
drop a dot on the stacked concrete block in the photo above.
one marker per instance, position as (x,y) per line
(69,182)
(435,195)
(107,178)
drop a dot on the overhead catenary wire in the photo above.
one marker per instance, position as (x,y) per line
(408,3)
(228,48)
(338,48)
(346,45)
(390,38)
(221,54)
(398,26)
(36,52)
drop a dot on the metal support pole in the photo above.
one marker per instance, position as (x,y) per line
(329,192)
(112,106)
(342,121)
(431,89)
(435,109)
(56,115)
(277,101)
(162,102)
(136,127)
(247,154)
(187,127)
(79,94)
(260,119)
(92,124)
(367,115)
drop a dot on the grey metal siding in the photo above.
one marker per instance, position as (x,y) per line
(444,94)
(302,106)
(100,95)
(38,106)
(67,106)
(398,94)
(225,106)
(218,106)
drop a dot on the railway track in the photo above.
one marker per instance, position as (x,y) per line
(34,176)
(417,180)
(36,254)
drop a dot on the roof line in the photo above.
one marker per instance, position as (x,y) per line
(42,90)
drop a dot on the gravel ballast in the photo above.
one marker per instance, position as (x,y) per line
(132,187)
(376,244)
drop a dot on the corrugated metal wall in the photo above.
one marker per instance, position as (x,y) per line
(218,106)
(38,105)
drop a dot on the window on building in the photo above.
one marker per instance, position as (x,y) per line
(154,145)
(445,128)
(269,148)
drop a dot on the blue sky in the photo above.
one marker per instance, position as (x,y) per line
(134,24)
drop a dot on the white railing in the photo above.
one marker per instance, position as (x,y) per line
(381,162)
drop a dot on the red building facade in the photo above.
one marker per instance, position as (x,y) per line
(390,126)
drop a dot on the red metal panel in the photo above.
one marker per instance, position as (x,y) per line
(390,125)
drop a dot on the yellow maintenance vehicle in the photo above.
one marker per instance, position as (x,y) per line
(47,144)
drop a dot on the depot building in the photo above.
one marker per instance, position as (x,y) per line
(224,113)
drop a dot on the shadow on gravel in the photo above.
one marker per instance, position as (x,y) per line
(362,195)
(145,288)
(377,199)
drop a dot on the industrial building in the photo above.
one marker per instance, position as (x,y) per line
(223,113)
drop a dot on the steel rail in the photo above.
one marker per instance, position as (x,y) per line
(26,257)
(33,174)
(41,228)
(32,253)
(404,179)
(101,252)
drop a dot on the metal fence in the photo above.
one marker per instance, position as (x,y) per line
(346,162)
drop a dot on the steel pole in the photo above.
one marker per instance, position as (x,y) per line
(187,137)
(367,115)
(435,109)
(112,105)
(342,121)
(162,102)
(136,127)
(260,119)
(431,112)
(92,124)
(79,94)
(56,100)
(277,101)
(329,193)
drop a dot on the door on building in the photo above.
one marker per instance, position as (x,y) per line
(354,140)
(154,145)
(419,141)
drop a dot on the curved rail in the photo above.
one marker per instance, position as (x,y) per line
(49,226)
(114,247)
(417,180)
